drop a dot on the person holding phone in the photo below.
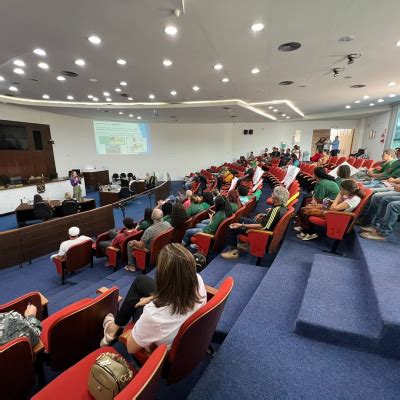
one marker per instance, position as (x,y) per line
(76,185)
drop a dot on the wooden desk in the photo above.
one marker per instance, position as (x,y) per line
(93,178)
(24,212)
(108,197)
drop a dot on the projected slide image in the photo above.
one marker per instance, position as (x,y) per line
(121,138)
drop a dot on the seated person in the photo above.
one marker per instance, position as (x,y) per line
(166,208)
(243,194)
(37,198)
(74,239)
(316,156)
(343,172)
(13,325)
(275,153)
(186,198)
(251,157)
(292,161)
(382,215)
(190,180)
(207,200)
(116,238)
(151,232)
(159,307)
(233,198)
(225,177)
(146,221)
(178,216)
(347,200)
(248,174)
(322,161)
(325,186)
(210,226)
(266,222)
(215,192)
(195,207)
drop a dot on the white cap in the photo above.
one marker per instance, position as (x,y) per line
(73,231)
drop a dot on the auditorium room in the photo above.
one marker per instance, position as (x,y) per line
(200,200)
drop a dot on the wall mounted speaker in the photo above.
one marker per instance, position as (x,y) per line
(250,131)
(245,132)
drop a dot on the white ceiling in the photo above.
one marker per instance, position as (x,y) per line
(209,32)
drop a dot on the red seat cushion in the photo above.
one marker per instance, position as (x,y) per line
(48,322)
(73,383)
(243,238)
(317,221)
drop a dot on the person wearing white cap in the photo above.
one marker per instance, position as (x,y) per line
(74,238)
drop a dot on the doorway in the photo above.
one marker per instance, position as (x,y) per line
(345,139)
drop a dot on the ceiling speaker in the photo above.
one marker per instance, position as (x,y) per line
(250,131)
(245,132)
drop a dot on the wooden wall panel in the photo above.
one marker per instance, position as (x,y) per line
(30,162)
(10,249)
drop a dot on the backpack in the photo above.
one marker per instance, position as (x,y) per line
(152,182)
(201,261)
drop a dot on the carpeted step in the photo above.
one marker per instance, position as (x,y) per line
(247,278)
(382,271)
(335,307)
(216,270)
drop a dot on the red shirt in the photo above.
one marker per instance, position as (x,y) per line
(122,235)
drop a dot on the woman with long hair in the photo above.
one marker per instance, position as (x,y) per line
(343,172)
(159,306)
(178,215)
(146,221)
(233,198)
(325,186)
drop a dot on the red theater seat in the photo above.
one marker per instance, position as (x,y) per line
(20,304)
(194,337)
(76,330)
(77,257)
(339,223)
(145,257)
(259,240)
(180,232)
(115,253)
(73,383)
(16,369)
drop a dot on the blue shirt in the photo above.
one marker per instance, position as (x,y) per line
(335,144)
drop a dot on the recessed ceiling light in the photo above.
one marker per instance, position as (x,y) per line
(80,62)
(257,27)
(357,101)
(346,39)
(348,106)
(123,83)
(275,110)
(2,78)
(19,71)
(106,94)
(225,80)
(171,30)
(60,78)
(392,95)
(94,80)
(390,84)
(270,107)
(167,63)
(291,46)
(90,96)
(130,115)
(302,86)
(118,89)
(121,61)
(94,39)
(173,92)
(46,96)
(380,100)
(139,117)
(43,65)
(151,96)
(108,99)
(283,115)
(70,97)
(40,52)
(218,67)
(120,113)
(19,63)
(196,88)
(397,43)
(130,98)
(371,104)
(287,117)
(95,99)
(255,71)
(13,89)
(366,97)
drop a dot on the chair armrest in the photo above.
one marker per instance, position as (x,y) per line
(112,254)
(203,241)
(337,223)
(59,263)
(103,289)
(140,255)
(210,292)
(270,233)
(350,214)
(38,348)
(43,300)
(258,241)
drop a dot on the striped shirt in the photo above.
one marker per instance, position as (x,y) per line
(271,218)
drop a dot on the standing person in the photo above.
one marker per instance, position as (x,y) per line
(296,150)
(76,185)
(320,144)
(335,147)
(327,145)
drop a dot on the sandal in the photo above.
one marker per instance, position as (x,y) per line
(107,339)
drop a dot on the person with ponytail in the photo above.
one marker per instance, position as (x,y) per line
(325,186)
(347,200)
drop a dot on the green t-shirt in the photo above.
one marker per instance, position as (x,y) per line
(214,224)
(326,188)
(235,207)
(205,206)
(339,181)
(167,218)
(394,170)
(194,209)
(144,225)
(386,169)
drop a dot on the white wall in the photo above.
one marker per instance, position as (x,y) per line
(378,123)
(176,148)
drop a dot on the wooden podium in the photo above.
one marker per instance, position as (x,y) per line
(93,178)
